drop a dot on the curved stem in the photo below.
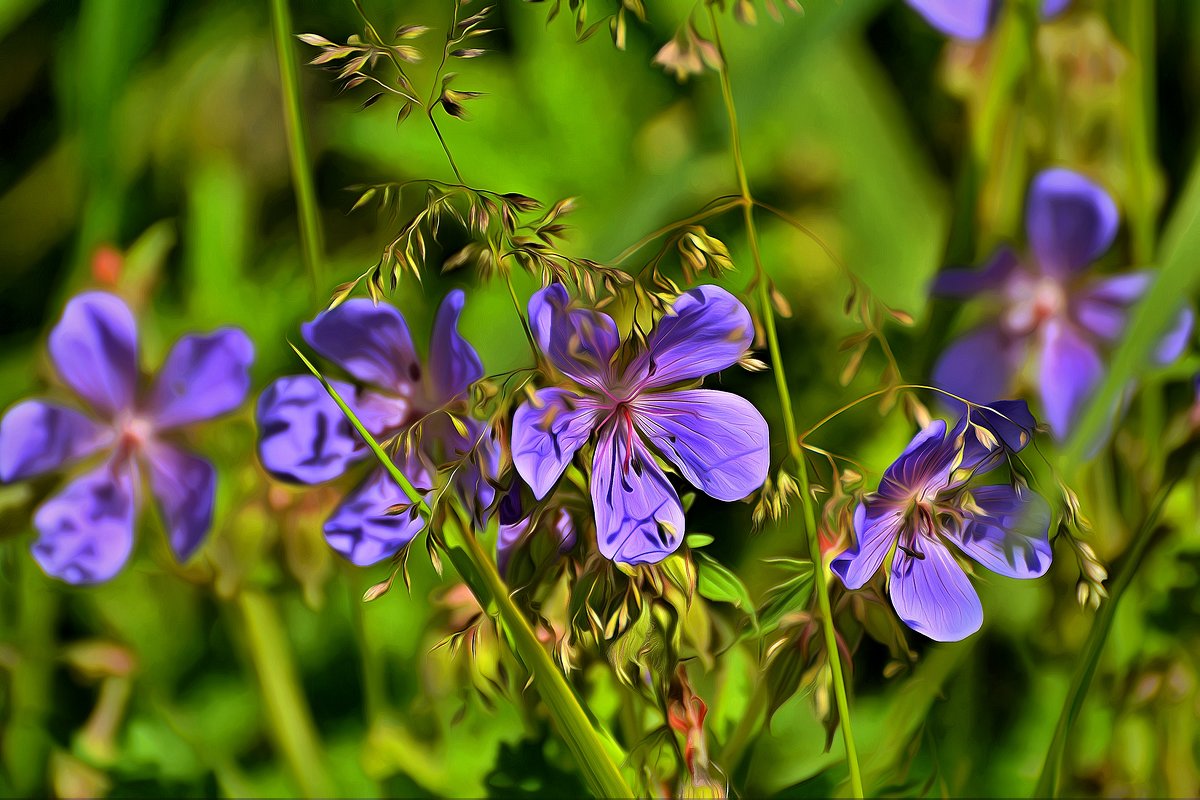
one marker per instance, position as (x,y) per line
(311,237)
(718,206)
(789,421)
(1048,781)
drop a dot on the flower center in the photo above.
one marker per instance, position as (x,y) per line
(133,434)
(1033,302)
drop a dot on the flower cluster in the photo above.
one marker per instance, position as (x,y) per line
(305,439)
(86,531)
(928,506)
(1047,307)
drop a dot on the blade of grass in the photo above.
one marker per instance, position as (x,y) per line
(311,237)
(596,754)
(1048,781)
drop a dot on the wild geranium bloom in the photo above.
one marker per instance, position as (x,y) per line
(304,438)
(86,531)
(1048,308)
(970,20)
(926,508)
(717,440)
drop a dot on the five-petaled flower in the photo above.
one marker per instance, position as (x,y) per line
(304,438)
(1047,307)
(717,440)
(970,20)
(86,531)
(926,500)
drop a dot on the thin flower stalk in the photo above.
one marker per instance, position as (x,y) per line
(311,236)
(789,419)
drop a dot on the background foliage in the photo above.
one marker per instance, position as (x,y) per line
(154,137)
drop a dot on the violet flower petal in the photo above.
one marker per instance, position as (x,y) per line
(1008,421)
(580,342)
(303,435)
(925,463)
(876,527)
(86,530)
(1008,532)
(970,282)
(639,519)
(717,440)
(362,530)
(1070,371)
(968,20)
(36,437)
(1052,8)
(371,342)
(94,347)
(184,486)
(706,330)
(1102,309)
(932,594)
(979,366)
(1070,220)
(547,431)
(1175,341)
(203,377)
(453,363)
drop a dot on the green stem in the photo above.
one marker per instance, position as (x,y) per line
(789,421)
(1047,785)
(596,755)
(1144,194)
(434,91)
(512,293)
(287,710)
(311,238)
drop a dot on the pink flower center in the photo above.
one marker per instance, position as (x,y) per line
(1033,301)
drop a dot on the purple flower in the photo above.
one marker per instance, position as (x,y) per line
(925,501)
(86,531)
(971,20)
(1048,307)
(717,440)
(304,437)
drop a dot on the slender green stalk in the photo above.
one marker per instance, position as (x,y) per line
(435,91)
(596,754)
(1048,782)
(1144,178)
(789,420)
(287,711)
(512,294)
(311,237)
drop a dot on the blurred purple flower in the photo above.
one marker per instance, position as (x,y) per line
(1047,306)
(717,440)
(971,20)
(517,524)
(304,438)
(86,531)
(924,501)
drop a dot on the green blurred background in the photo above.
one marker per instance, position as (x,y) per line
(153,133)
